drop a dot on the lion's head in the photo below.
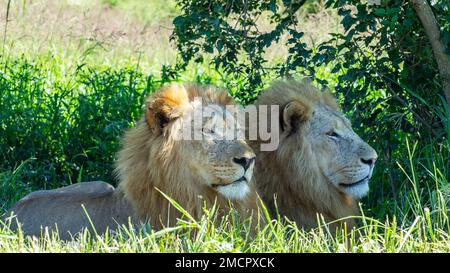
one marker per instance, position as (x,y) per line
(321,164)
(186,157)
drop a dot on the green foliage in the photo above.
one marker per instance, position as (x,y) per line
(387,73)
(228,30)
(70,126)
(111,3)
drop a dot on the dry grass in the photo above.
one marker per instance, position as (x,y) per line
(315,21)
(85,32)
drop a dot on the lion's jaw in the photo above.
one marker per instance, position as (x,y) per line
(225,166)
(345,160)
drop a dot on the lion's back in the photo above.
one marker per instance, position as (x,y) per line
(71,209)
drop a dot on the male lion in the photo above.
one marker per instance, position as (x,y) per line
(192,172)
(320,166)
(151,162)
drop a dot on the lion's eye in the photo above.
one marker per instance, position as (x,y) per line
(333,134)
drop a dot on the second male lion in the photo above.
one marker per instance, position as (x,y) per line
(321,165)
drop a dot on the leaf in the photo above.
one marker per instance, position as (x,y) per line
(379,12)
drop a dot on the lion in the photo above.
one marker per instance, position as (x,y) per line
(321,166)
(212,170)
(154,164)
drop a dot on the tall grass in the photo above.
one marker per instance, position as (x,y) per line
(423,227)
(47,117)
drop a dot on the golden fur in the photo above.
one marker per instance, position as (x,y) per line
(151,160)
(318,159)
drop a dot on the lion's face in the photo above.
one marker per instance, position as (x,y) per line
(222,164)
(320,166)
(341,156)
(203,132)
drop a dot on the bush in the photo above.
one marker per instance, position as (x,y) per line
(69,126)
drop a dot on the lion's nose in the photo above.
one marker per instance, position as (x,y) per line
(369,161)
(245,162)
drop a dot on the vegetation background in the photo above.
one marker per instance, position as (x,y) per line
(74,74)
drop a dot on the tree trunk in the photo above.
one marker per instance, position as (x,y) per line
(431,27)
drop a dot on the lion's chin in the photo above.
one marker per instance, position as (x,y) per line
(236,191)
(357,190)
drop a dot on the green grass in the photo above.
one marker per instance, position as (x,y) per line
(64,106)
(422,229)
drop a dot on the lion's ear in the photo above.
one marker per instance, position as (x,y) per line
(164,106)
(294,114)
